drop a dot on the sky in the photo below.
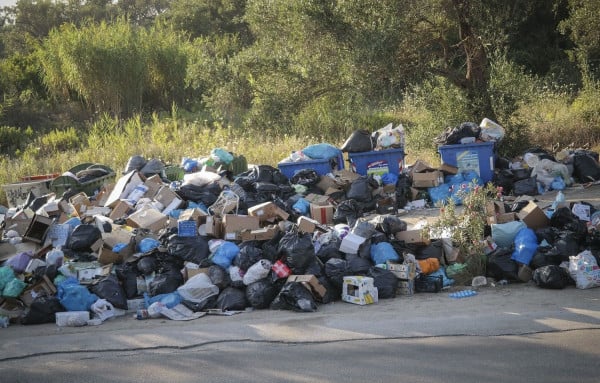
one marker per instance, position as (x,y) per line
(4,3)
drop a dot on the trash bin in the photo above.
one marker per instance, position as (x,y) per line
(377,162)
(322,167)
(64,182)
(476,157)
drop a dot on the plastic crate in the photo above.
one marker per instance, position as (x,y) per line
(475,157)
(61,184)
(322,167)
(377,162)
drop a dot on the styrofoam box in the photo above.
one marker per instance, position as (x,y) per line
(72,318)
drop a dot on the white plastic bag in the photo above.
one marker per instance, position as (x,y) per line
(201,178)
(257,271)
(103,309)
(490,130)
(197,288)
(388,136)
(584,269)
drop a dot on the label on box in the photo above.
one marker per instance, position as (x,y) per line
(378,167)
(186,228)
(468,161)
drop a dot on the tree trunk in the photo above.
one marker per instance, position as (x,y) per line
(477,75)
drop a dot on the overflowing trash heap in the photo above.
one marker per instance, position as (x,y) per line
(215,236)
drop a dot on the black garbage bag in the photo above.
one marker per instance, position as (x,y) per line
(247,257)
(297,250)
(152,167)
(330,249)
(83,237)
(136,162)
(267,173)
(294,296)
(567,244)
(403,192)
(127,274)
(347,212)
(232,299)
(499,265)
(453,135)
(549,234)
(389,224)
(361,189)
(359,141)
(527,186)
(109,288)
(385,281)
(306,177)
(585,168)
(363,228)
(50,271)
(219,277)
(505,179)
(358,265)
(551,277)
(194,193)
(335,270)
(435,249)
(564,220)
(190,249)
(204,304)
(43,309)
(270,248)
(147,264)
(261,293)
(429,283)
(541,153)
(545,257)
(166,282)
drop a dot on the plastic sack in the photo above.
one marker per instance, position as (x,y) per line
(525,246)
(110,289)
(170,300)
(190,249)
(389,224)
(491,131)
(527,186)
(453,135)
(232,299)
(439,194)
(248,256)
(236,276)
(305,177)
(153,166)
(297,250)
(261,293)
(301,206)
(257,271)
(166,282)
(390,137)
(347,212)
(359,141)
(362,189)
(441,272)
(551,277)
(103,309)
(321,151)
(584,269)
(134,163)
(19,261)
(43,309)
(385,281)
(148,244)
(75,297)
(586,168)
(429,265)
(504,233)
(83,237)
(383,252)
(225,254)
(294,296)
(499,265)
(198,288)
(218,276)
(13,288)
(221,155)
(201,178)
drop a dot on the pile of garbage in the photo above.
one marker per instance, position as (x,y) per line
(214,241)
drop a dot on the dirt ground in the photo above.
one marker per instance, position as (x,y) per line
(576,193)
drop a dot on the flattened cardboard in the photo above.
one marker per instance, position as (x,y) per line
(267,211)
(311,283)
(123,187)
(448,169)
(309,225)
(45,286)
(318,199)
(262,234)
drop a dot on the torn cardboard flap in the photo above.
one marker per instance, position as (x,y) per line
(311,283)
(123,187)
(267,211)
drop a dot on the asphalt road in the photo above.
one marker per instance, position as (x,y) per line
(503,334)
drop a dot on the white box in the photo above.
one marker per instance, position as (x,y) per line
(359,290)
(72,318)
(351,243)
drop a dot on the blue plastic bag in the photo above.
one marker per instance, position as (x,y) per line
(148,244)
(558,184)
(445,280)
(525,246)
(221,155)
(389,179)
(75,297)
(439,193)
(302,206)
(169,299)
(225,254)
(321,151)
(382,252)
(6,275)
(13,288)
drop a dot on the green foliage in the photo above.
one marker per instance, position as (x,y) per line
(13,140)
(59,141)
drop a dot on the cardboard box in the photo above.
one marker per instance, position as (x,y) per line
(148,218)
(43,287)
(154,184)
(123,188)
(325,183)
(322,214)
(318,199)
(501,218)
(80,202)
(194,214)
(427,179)
(122,209)
(533,216)
(89,275)
(213,226)
(494,208)
(309,225)
(448,169)
(104,246)
(359,290)
(412,236)
(37,229)
(311,283)
(403,270)
(262,234)
(168,198)
(420,166)
(351,243)
(19,222)
(406,287)
(234,224)
(267,211)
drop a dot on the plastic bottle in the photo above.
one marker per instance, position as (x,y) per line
(55,256)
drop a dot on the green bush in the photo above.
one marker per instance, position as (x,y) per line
(13,140)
